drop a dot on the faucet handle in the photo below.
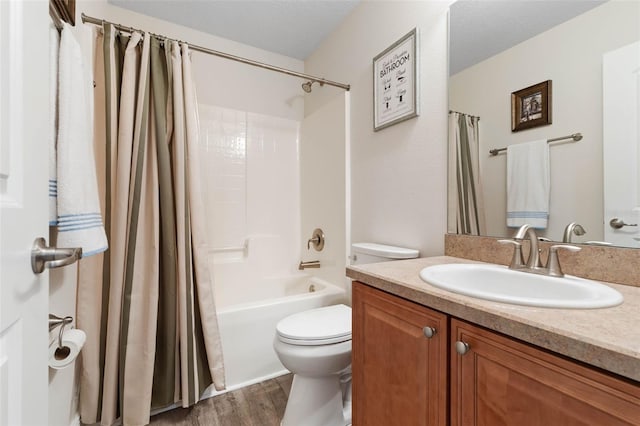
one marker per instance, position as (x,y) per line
(553,264)
(517,261)
(317,239)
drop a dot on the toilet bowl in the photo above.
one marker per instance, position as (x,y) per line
(315,346)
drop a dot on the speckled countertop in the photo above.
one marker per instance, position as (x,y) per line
(606,338)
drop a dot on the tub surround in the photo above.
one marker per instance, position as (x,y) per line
(600,263)
(604,338)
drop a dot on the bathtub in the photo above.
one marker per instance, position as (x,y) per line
(248,321)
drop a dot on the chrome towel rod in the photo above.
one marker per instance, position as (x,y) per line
(96,21)
(575,137)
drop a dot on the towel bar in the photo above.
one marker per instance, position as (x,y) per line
(575,137)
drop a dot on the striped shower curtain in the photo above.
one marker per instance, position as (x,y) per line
(465,198)
(146,304)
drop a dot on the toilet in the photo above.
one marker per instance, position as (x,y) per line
(315,345)
(373,253)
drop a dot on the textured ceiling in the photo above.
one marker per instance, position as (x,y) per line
(480,29)
(294,28)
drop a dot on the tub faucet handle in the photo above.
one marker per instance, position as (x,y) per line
(317,239)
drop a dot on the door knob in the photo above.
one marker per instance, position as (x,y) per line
(52,257)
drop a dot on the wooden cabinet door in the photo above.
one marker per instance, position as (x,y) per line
(399,374)
(500,381)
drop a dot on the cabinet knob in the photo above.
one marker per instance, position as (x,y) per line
(462,347)
(429,332)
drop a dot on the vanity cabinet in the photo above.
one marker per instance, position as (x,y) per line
(399,361)
(466,375)
(501,381)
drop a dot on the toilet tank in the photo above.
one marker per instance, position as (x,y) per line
(372,252)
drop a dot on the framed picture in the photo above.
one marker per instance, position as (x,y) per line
(531,106)
(395,82)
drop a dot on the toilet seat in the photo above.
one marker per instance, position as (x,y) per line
(316,327)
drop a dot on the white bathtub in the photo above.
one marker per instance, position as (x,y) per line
(248,322)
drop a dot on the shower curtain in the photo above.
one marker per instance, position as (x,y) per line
(147,304)
(465,197)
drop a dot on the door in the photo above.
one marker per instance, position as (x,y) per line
(399,361)
(621,139)
(24,115)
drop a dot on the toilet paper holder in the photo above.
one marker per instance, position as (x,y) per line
(56,321)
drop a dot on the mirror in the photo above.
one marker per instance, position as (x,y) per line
(524,43)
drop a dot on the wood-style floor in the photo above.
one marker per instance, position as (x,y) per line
(261,404)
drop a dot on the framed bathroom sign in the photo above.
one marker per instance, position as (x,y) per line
(395,82)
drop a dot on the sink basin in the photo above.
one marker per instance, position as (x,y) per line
(501,284)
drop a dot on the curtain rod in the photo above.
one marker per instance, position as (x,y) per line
(575,137)
(96,21)
(468,115)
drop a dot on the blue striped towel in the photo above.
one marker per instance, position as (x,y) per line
(79,219)
(528,184)
(54,47)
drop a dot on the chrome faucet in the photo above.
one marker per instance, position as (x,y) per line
(534,252)
(310,264)
(572,228)
(533,264)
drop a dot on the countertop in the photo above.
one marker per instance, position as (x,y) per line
(606,338)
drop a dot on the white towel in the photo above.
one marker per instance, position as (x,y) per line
(528,184)
(54,47)
(79,218)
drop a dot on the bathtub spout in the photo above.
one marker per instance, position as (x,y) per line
(310,264)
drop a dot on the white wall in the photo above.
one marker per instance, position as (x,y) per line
(219,82)
(63,384)
(398,175)
(571,56)
(323,163)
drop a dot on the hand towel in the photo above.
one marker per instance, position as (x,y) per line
(79,218)
(54,47)
(528,184)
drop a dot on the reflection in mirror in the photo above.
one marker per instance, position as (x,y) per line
(586,49)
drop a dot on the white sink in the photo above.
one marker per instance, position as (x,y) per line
(501,284)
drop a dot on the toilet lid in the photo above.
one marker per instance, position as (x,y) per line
(321,326)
